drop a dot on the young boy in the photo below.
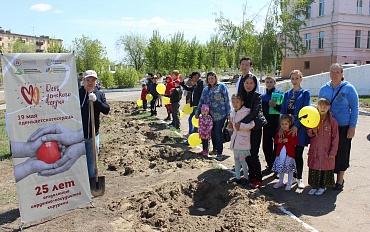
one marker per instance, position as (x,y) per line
(271,111)
(144,90)
(175,97)
(152,89)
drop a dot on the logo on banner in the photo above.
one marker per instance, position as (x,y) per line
(18,72)
(32,94)
(17,62)
(49,71)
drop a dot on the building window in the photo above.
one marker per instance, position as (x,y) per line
(308,41)
(368,40)
(358,39)
(358,62)
(321,40)
(307,65)
(321,7)
(309,11)
(359,6)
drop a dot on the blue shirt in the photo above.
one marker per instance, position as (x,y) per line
(345,105)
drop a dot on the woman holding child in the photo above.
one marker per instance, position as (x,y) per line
(247,86)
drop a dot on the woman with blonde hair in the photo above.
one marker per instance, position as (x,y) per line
(294,100)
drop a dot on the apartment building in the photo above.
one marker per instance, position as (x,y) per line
(7,40)
(337,31)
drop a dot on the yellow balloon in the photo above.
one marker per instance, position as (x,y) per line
(166,100)
(161,88)
(195,122)
(309,117)
(149,97)
(188,109)
(194,140)
(139,102)
(181,113)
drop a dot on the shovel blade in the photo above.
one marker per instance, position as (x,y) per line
(97,188)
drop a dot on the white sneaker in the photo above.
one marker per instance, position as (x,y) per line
(320,191)
(278,185)
(300,184)
(288,187)
(312,192)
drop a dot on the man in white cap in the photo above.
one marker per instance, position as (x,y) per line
(89,92)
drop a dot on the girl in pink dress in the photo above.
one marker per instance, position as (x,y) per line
(205,128)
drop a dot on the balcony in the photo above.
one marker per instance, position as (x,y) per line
(39,43)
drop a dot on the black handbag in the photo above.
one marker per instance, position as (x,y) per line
(226,134)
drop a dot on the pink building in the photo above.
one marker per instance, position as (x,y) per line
(337,31)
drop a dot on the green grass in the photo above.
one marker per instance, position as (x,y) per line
(4,140)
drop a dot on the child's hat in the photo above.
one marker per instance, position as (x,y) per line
(205,107)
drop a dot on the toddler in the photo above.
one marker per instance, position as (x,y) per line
(285,153)
(205,128)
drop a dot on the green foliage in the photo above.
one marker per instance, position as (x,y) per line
(126,78)
(4,141)
(134,46)
(106,79)
(89,54)
(20,47)
(55,47)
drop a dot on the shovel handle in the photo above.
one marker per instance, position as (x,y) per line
(92,117)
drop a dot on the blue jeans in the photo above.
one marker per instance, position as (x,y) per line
(216,136)
(192,129)
(90,155)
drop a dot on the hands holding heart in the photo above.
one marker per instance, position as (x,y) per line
(52,150)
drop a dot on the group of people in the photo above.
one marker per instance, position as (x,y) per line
(254,118)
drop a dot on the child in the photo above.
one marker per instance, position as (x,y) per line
(175,97)
(169,85)
(205,128)
(160,80)
(271,106)
(285,153)
(323,149)
(144,90)
(152,89)
(240,139)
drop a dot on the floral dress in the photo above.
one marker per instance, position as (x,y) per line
(205,127)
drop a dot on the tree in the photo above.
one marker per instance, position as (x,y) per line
(177,47)
(289,19)
(89,54)
(55,47)
(153,52)
(190,55)
(134,46)
(20,47)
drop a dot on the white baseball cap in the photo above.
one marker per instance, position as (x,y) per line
(90,73)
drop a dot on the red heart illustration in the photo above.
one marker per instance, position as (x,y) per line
(27,94)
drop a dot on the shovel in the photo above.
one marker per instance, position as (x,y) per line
(97,183)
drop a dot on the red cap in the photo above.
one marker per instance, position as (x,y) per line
(177,81)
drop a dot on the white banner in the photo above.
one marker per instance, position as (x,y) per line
(45,129)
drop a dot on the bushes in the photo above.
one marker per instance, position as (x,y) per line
(106,79)
(126,78)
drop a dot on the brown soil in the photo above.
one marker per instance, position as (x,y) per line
(154,182)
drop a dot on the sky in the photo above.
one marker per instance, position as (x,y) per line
(107,20)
